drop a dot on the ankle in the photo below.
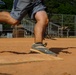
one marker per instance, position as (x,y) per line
(38,43)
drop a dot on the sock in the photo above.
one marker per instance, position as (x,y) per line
(38,43)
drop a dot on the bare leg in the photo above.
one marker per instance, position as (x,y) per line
(42,22)
(5,17)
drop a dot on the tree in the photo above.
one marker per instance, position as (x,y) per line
(61,6)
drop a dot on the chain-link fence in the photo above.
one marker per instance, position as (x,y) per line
(66,22)
(60,25)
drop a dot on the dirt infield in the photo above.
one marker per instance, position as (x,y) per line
(65,48)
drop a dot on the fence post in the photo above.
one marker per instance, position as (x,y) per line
(62,27)
(75,25)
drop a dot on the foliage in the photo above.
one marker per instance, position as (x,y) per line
(8,4)
(53,6)
(61,6)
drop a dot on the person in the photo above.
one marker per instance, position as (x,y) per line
(36,10)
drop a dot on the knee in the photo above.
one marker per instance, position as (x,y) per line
(46,21)
(43,21)
(14,22)
(8,18)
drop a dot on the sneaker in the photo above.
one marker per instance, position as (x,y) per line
(40,48)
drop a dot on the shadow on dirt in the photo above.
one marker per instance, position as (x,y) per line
(5,74)
(14,52)
(18,53)
(55,50)
(63,50)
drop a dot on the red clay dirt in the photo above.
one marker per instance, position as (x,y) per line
(64,47)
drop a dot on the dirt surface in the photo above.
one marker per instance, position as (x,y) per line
(65,48)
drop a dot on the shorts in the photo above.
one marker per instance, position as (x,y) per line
(23,7)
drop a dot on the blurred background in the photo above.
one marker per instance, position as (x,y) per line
(62,21)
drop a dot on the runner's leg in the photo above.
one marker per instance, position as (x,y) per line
(42,22)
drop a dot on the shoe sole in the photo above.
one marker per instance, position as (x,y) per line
(33,50)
